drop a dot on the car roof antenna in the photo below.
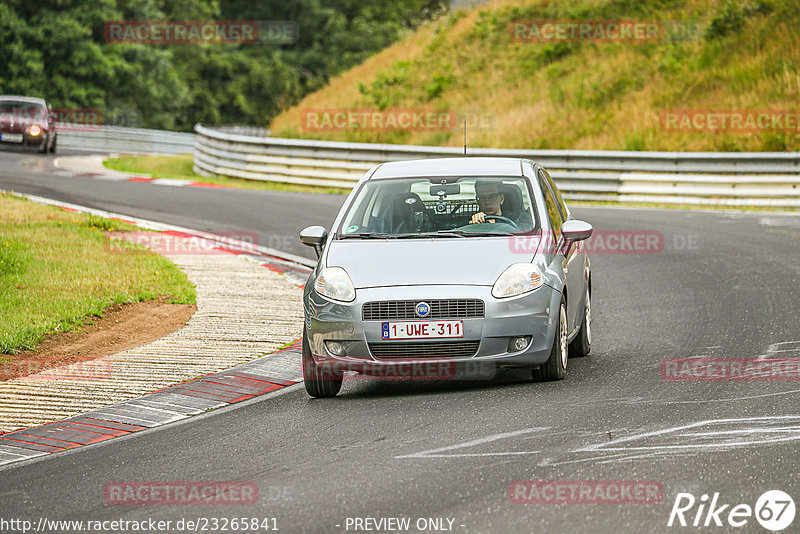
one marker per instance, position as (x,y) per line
(465,138)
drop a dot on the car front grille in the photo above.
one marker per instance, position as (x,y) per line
(390,310)
(424,349)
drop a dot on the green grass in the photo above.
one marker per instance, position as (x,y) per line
(158,166)
(180,167)
(57,271)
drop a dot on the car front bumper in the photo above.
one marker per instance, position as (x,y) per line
(28,140)
(533,314)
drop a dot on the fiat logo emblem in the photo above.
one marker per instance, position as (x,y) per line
(422,309)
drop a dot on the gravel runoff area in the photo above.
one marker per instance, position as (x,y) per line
(243,311)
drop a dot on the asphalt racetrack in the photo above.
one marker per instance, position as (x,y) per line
(447,455)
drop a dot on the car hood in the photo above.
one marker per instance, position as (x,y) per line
(401,262)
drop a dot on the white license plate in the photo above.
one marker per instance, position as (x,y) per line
(11,137)
(422,329)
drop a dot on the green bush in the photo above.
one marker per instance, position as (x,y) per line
(389,85)
(441,80)
(732,17)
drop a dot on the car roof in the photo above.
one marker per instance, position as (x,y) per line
(449,167)
(31,99)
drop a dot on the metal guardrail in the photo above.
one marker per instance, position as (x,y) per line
(126,140)
(248,131)
(746,178)
(737,178)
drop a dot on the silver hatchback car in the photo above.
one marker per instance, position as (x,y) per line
(447,262)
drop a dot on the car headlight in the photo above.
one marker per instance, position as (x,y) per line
(519,278)
(334,283)
(35,130)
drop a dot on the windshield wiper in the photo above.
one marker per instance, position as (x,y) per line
(366,235)
(463,233)
(440,233)
(423,235)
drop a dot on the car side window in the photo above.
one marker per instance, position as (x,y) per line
(552,206)
(559,199)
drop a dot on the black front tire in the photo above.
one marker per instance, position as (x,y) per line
(53,146)
(319,382)
(555,368)
(582,344)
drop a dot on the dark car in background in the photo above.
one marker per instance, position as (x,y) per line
(27,122)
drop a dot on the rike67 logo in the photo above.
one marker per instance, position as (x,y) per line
(774,510)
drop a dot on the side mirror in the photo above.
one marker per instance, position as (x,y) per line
(574,230)
(314,236)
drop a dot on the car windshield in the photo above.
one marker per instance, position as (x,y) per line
(20,108)
(440,207)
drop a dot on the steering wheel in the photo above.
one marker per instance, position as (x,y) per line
(500,218)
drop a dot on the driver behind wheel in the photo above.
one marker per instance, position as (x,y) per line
(490,201)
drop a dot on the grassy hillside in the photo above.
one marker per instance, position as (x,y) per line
(711,55)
